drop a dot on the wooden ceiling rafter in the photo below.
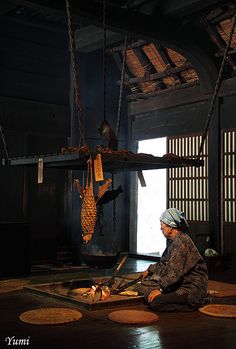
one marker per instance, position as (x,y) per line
(218,23)
(138,96)
(217,38)
(168,62)
(148,69)
(160,64)
(167,72)
(118,59)
(221,13)
(190,74)
(154,68)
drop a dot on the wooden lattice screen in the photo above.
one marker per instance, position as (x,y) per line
(187,187)
(229,176)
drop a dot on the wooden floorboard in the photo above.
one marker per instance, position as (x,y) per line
(173,331)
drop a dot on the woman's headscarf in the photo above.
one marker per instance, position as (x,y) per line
(175,219)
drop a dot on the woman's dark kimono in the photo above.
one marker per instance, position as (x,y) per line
(181,275)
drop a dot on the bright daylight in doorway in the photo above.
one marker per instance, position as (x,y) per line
(151,201)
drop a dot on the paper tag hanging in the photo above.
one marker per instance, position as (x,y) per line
(40,171)
(98,171)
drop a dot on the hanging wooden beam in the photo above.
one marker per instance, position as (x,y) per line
(112,162)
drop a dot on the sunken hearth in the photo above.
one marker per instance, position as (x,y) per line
(75,291)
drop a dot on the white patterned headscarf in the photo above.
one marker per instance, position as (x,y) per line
(175,219)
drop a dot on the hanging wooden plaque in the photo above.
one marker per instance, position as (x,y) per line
(98,171)
(40,171)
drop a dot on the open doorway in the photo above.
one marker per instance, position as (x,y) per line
(151,201)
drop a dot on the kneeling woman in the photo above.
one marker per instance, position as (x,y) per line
(179,279)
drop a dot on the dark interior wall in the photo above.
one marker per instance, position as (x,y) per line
(34,98)
(181,112)
(179,120)
(34,62)
(35,115)
(92,75)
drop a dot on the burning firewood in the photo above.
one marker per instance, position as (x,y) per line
(103,292)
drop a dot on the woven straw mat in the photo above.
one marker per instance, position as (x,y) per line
(12,285)
(50,316)
(133,317)
(219,310)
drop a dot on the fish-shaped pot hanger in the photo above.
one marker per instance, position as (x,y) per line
(89,210)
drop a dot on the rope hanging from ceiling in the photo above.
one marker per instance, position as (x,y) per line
(217,87)
(118,121)
(79,111)
(4,144)
(121,87)
(104,110)
(104,59)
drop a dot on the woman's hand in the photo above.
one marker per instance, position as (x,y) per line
(153,294)
(144,274)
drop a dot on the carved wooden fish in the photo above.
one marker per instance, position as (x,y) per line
(109,195)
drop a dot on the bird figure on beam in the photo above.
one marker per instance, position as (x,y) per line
(108,135)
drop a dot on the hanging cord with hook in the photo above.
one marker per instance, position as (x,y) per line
(75,74)
(4,143)
(114,208)
(104,59)
(217,87)
(121,88)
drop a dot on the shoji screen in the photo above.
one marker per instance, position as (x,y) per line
(187,186)
(229,176)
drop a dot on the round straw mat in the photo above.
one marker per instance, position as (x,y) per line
(220,310)
(12,285)
(50,316)
(133,317)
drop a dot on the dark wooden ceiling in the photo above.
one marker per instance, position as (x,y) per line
(171,44)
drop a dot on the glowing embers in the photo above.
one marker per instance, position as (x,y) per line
(88,294)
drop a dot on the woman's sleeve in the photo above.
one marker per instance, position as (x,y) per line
(157,267)
(173,270)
